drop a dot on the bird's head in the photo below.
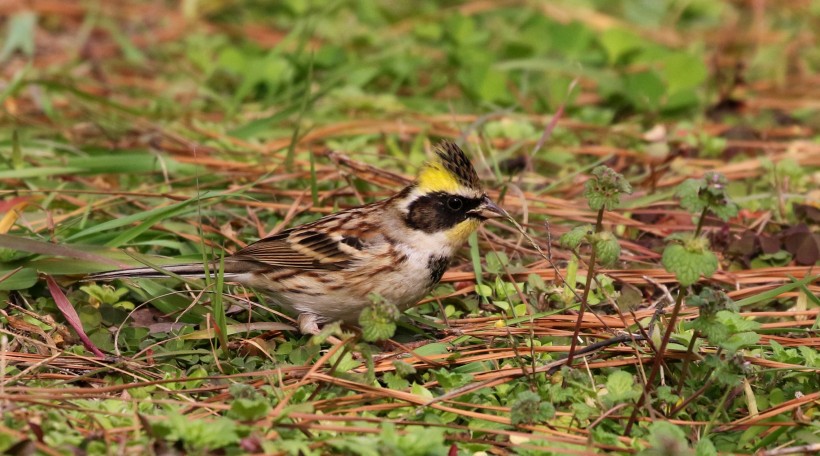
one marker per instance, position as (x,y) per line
(447,197)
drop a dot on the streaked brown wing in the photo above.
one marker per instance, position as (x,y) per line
(300,249)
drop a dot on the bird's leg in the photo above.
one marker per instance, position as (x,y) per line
(307,323)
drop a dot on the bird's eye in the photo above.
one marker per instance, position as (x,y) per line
(455,203)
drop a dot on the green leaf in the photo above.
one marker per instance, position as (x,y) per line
(705,447)
(810,356)
(505,290)
(726,371)
(15,279)
(629,297)
(412,441)
(485,291)
(90,317)
(724,211)
(666,438)
(582,410)
(484,82)
(559,394)
(708,191)
(779,353)
(197,433)
(394,381)
(607,248)
(690,260)
(711,301)
(736,322)
(682,71)
(378,321)
(536,282)
(492,86)
(618,42)
(435,348)
(403,369)
(727,329)
(450,379)
(737,341)
(102,339)
(524,408)
(687,192)
(714,331)
(644,89)
(528,408)
(665,394)
(573,238)
(496,261)
(510,128)
(105,294)
(621,387)
(420,390)
(248,409)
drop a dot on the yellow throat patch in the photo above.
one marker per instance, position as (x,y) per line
(434,177)
(459,233)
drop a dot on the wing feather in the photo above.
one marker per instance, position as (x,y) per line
(305,248)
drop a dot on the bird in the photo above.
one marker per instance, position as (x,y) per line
(397,248)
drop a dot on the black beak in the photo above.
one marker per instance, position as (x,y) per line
(488,209)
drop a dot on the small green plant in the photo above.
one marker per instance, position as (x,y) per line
(248,404)
(411,441)
(620,387)
(722,326)
(378,320)
(666,439)
(720,323)
(107,294)
(197,435)
(788,183)
(528,408)
(689,257)
(603,193)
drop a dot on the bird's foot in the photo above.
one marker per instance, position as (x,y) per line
(308,324)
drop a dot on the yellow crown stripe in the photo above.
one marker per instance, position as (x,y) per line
(433,177)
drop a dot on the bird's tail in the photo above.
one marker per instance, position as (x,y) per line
(188,270)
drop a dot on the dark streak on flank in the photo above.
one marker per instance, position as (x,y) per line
(282,275)
(437,266)
(353,241)
(303,291)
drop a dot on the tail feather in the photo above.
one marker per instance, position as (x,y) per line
(189,270)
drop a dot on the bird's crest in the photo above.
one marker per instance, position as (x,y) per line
(450,172)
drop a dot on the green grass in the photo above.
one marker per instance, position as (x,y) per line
(138,133)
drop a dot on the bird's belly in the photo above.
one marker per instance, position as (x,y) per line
(341,295)
(346,304)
